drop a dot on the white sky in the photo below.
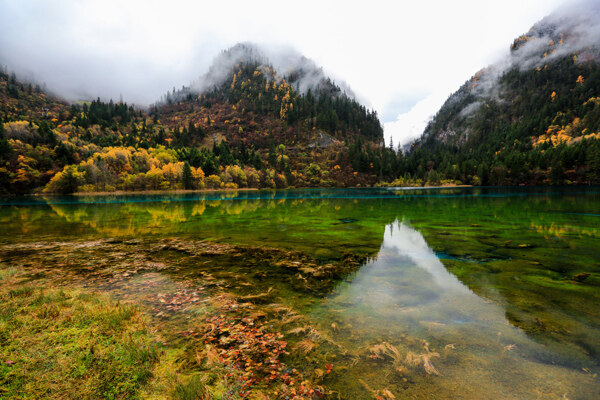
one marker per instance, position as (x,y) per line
(403,58)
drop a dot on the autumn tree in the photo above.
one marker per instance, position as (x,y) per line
(67,181)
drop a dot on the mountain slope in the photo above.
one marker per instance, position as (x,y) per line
(532,118)
(275,104)
(248,122)
(244,89)
(19,100)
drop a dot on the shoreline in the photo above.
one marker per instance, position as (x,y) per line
(150,192)
(183,191)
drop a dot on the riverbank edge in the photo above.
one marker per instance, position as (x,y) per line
(183,191)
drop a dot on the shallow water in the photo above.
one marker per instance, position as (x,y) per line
(407,295)
(475,292)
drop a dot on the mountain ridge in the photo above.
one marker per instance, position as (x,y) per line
(532,118)
(251,126)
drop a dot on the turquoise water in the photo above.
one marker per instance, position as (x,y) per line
(467,293)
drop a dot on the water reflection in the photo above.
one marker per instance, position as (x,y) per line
(305,194)
(408,242)
(406,298)
(328,221)
(515,247)
(407,286)
(500,307)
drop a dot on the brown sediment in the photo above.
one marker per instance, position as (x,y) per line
(223,326)
(244,343)
(112,258)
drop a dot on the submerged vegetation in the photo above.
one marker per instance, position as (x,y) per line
(334,299)
(185,339)
(362,293)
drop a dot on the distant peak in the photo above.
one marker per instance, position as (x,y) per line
(286,63)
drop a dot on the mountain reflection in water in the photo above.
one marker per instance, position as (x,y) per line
(406,299)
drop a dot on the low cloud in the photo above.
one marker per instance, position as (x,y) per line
(580,24)
(410,125)
(569,30)
(401,103)
(284,60)
(142,48)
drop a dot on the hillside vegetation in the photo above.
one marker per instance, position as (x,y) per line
(532,119)
(252,127)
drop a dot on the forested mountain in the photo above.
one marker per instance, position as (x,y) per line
(246,123)
(272,119)
(533,118)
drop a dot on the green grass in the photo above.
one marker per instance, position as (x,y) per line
(194,388)
(71,343)
(66,344)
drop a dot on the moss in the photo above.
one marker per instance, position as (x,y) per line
(531,322)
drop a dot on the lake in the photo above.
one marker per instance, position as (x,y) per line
(458,293)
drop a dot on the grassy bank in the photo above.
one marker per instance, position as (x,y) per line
(76,344)
(71,344)
(149,328)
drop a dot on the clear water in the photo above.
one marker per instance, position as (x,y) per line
(475,290)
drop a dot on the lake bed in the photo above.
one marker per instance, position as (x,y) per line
(390,293)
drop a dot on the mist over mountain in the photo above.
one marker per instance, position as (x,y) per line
(278,62)
(266,116)
(258,118)
(570,33)
(533,117)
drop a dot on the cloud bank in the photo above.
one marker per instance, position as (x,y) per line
(568,31)
(284,59)
(391,53)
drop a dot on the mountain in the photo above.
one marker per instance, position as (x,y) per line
(532,118)
(19,100)
(258,118)
(246,95)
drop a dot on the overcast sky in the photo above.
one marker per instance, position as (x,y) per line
(403,58)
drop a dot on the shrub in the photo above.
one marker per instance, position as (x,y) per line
(213,182)
(66,181)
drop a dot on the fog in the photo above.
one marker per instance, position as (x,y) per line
(568,31)
(401,58)
(283,59)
